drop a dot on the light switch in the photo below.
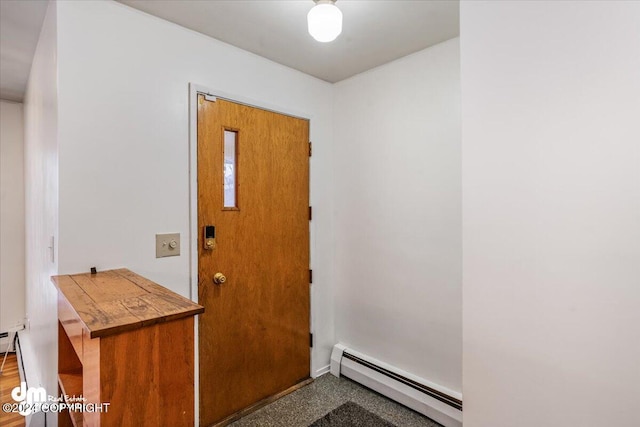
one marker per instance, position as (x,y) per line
(167,245)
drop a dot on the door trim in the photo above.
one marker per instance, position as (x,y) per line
(194,91)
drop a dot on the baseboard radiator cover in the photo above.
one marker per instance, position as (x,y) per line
(34,419)
(19,360)
(434,401)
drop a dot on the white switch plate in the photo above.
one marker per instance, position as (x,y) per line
(164,243)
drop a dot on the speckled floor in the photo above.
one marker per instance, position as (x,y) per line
(302,407)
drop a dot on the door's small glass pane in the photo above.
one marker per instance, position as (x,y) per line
(230,168)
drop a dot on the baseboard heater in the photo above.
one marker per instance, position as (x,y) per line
(434,401)
(18,349)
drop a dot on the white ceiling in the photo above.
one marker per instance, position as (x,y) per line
(20,23)
(374,32)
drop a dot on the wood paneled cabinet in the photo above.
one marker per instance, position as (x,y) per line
(125,351)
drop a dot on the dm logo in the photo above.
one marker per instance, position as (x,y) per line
(30,397)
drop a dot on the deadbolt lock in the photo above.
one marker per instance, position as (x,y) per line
(219,278)
(209,237)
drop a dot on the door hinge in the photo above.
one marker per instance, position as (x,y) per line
(310,150)
(310,213)
(310,340)
(310,276)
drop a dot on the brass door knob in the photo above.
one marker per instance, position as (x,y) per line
(219,278)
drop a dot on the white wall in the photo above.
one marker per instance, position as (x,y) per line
(11,218)
(551,197)
(39,341)
(124,147)
(397,239)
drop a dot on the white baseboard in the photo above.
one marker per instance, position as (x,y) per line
(322,371)
(394,389)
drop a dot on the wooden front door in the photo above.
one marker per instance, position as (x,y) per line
(253,195)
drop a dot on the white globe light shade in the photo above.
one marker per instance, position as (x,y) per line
(325,22)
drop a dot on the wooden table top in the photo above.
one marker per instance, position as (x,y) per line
(115,301)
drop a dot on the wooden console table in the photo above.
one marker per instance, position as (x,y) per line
(129,342)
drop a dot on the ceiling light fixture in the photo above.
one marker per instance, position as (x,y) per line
(324,21)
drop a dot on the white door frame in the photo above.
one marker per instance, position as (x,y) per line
(194,90)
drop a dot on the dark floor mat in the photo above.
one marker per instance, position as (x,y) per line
(351,415)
